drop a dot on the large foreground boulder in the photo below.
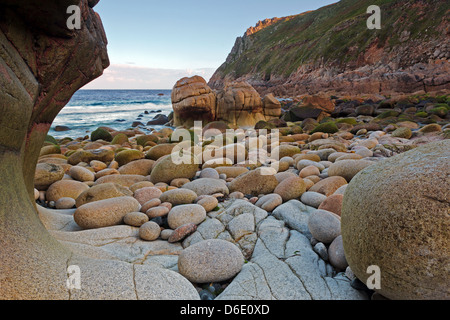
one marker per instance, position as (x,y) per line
(396,216)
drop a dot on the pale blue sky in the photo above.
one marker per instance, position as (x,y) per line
(154,43)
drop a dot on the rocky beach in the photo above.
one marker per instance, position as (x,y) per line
(254,187)
(229,230)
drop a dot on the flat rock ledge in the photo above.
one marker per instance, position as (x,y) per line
(281,263)
(285,267)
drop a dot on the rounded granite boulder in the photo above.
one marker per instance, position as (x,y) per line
(184,214)
(210,261)
(395,216)
(165,169)
(105,213)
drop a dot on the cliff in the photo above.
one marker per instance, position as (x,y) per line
(332,50)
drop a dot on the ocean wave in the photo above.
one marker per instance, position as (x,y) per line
(114,108)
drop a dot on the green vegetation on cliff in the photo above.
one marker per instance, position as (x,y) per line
(336,34)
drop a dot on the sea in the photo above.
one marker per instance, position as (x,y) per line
(117,109)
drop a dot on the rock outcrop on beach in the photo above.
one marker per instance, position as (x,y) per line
(238,104)
(332,50)
(193,100)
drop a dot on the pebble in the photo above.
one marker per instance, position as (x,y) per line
(209,173)
(269,202)
(150,204)
(363,152)
(308,183)
(140,185)
(207,186)
(329,185)
(81,174)
(337,254)
(333,204)
(313,199)
(237,195)
(157,212)
(144,195)
(65,203)
(321,250)
(166,233)
(184,214)
(208,202)
(182,232)
(306,163)
(178,183)
(179,196)
(348,169)
(309,171)
(324,226)
(135,219)
(291,188)
(150,231)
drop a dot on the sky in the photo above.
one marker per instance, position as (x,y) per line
(152,44)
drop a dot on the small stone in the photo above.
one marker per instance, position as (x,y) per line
(324,226)
(237,195)
(209,173)
(333,204)
(349,274)
(98,165)
(150,231)
(182,232)
(179,196)
(404,133)
(65,203)
(364,152)
(207,186)
(281,176)
(140,185)
(321,250)
(308,183)
(184,214)
(255,182)
(208,202)
(337,254)
(135,219)
(270,202)
(157,212)
(106,172)
(150,204)
(178,183)
(144,195)
(206,295)
(302,164)
(166,233)
(168,205)
(291,188)
(329,185)
(309,171)
(36,194)
(313,199)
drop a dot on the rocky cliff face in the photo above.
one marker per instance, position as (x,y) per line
(332,50)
